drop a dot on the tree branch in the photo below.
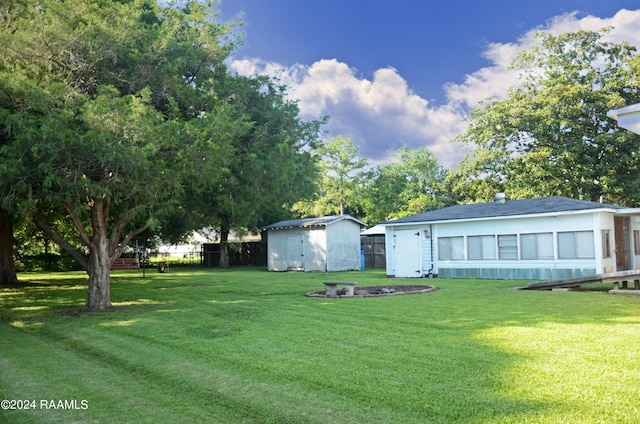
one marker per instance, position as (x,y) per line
(79,226)
(131,234)
(63,244)
(116,232)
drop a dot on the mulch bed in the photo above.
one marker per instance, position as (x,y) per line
(377,291)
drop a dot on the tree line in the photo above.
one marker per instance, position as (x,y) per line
(120,119)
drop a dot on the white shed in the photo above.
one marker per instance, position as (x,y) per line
(330,243)
(546,238)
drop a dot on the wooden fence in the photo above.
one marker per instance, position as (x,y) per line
(249,253)
(374,251)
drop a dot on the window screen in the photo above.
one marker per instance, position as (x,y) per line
(606,243)
(481,247)
(576,245)
(536,246)
(450,248)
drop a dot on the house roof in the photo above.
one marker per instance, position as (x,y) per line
(627,117)
(311,222)
(546,205)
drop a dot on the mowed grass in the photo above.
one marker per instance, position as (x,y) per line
(246,346)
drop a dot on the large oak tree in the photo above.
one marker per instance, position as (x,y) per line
(103,103)
(551,135)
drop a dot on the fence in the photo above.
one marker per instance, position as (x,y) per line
(249,253)
(374,251)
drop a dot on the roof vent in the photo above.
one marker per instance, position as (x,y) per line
(499,198)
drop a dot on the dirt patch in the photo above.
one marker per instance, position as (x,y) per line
(377,291)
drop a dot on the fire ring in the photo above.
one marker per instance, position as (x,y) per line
(375,291)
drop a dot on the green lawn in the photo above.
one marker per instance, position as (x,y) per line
(246,346)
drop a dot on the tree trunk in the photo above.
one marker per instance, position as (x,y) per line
(99,295)
(99,264)
(8,277)
(224,244)
(103,249)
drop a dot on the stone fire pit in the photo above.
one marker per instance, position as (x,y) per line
(332,290)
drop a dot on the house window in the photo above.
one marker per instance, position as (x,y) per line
(508,246)
(636,241)
(450,248)
(481,247)
(536,246)
(606,243)
(576,245)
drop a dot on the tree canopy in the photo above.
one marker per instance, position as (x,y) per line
(551,135)
(96,101)
(411,184)
(342,177)
(268,163)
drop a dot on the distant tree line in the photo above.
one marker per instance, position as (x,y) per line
(120,120)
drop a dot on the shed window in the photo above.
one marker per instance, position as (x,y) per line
(576,245)
(450,248)
(537,246)
(636,242)
(508,246)
(481,247)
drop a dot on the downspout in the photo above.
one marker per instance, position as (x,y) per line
(430,272)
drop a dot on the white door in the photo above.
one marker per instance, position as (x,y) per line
(407,253)
(295,253)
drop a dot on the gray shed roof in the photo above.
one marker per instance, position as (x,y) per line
(508,208)
(311,222)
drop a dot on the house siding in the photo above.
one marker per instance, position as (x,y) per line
(555,266)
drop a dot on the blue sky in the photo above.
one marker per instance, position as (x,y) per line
(404,72)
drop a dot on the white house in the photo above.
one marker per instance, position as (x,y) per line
(546,238)
(330,243)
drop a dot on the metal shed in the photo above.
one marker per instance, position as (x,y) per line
(329,243)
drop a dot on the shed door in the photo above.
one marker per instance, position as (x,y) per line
(295,255)
(407,255)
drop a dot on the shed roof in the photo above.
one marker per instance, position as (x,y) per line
(509,208)
(322,221)
(373,231)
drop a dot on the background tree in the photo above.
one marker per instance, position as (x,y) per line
(14,118)
(273,163)
(343,170)
(118,80)
(411,184)
(267,166)
(551,135)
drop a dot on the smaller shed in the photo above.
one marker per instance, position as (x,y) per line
(328,243)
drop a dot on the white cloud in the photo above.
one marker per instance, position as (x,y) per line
(382,114)
(495,80)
